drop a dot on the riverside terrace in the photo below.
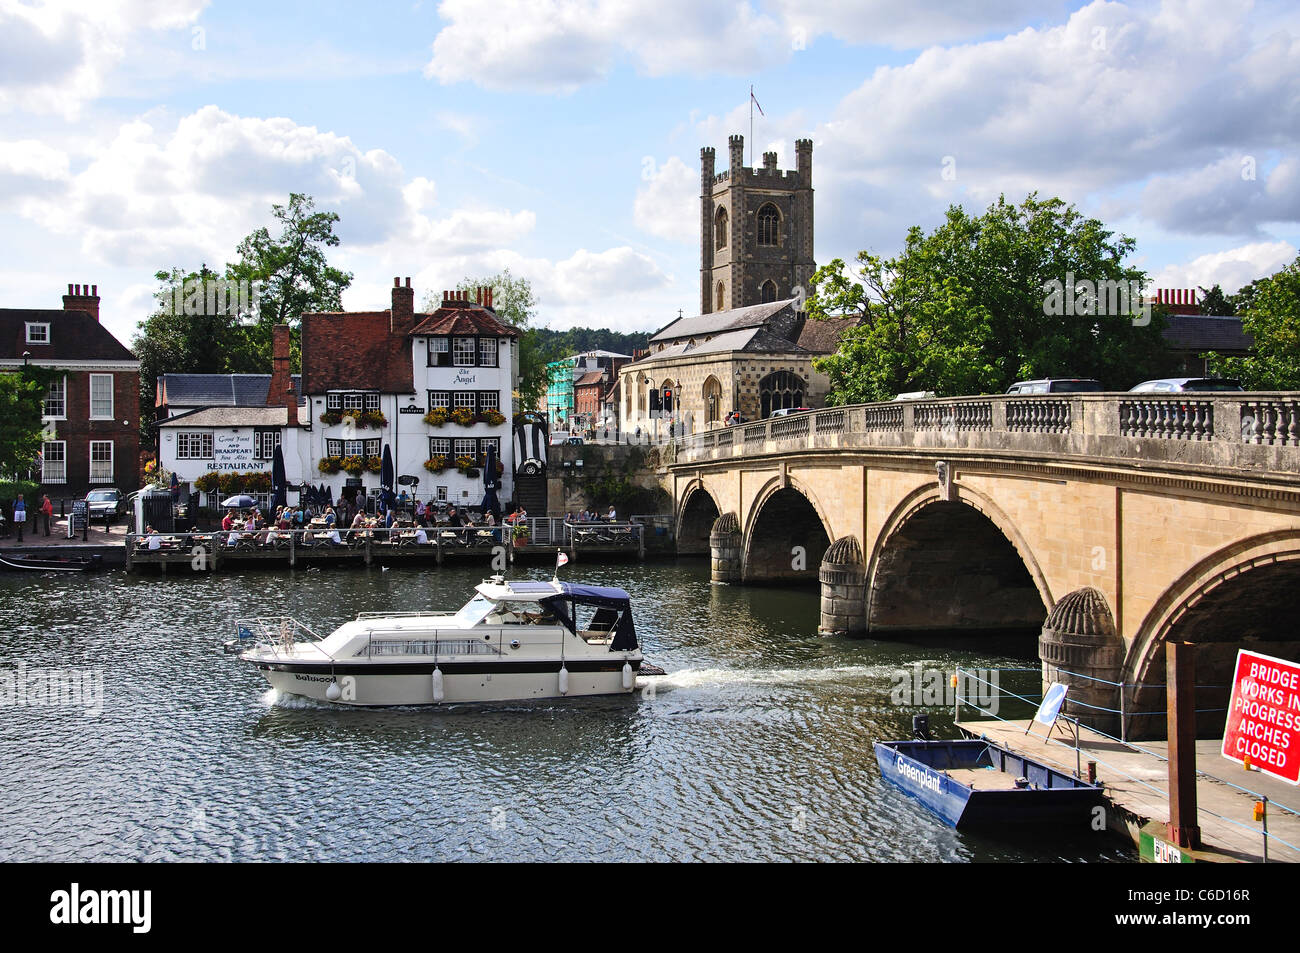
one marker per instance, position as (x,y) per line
(209,551)
(1178,516)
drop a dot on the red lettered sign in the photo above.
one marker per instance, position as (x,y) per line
(1264,716)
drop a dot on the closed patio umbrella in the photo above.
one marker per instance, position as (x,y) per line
(490,483)
(386,476)
(279,491)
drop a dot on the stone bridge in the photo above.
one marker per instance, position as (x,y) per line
(1108,523)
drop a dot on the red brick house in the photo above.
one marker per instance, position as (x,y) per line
(92,411)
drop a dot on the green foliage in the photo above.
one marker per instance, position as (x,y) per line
(21,394)
(580,340)
(295,278)
(1271,314)
(962,310)
(613,489)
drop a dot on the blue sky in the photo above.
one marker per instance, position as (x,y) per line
(561,139)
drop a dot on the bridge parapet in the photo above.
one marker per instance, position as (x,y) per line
(1230,432)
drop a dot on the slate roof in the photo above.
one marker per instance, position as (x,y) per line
(217,390)
(354,350)
(74,336)
(230,417)
(1206,332)
(720,321)
(748,340)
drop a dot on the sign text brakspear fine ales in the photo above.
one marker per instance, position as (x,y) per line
(1264,716)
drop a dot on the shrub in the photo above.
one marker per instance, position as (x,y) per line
(436,464)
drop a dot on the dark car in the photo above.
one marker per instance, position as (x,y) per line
(107,505)
(1176,385)
(1056,385)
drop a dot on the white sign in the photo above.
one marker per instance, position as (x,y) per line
(1053,699)
(233,451)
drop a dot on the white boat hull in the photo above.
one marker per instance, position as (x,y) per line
(417,689)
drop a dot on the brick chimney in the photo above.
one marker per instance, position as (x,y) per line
(82,298)
(402,320)
(281,392)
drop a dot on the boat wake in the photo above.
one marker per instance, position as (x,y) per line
(713,677)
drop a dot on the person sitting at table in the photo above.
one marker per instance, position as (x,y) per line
(155,541)
(359,521)
(330,518)
(489,519)
(421,537)
(228,521)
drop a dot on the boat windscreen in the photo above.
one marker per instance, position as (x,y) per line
(474,611)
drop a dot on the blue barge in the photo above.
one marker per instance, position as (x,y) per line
(978,783)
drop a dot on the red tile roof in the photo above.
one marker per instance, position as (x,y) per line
(463,318)
(344,350)
(591,377)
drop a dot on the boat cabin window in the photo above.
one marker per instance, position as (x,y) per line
(521,613)
(475,611)
(594,619)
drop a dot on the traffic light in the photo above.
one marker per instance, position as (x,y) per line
(668,400)
(655,405)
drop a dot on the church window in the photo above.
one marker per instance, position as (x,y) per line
(720,228)
(768,291)
(721,298)
(769,221)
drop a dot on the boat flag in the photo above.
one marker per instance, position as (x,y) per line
(561,559)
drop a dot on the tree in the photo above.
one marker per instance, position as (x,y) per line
(514,302)
(21,394)
(1023,291)
(1214,301)
(1272,318)
(284,277)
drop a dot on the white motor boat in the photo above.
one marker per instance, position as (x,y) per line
(513,641)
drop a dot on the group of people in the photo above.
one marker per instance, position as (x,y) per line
(591,516)
(42,511)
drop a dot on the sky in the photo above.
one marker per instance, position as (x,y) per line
(561,138)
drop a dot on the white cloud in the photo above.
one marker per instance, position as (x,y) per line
(559,45)
(668,204)
(591,276)
(55,55)
(1230,269)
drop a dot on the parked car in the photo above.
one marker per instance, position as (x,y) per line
(560,437)
(1180,384)
(787,411)
(915,395)
(107,505)
(1056,385)
(574,441)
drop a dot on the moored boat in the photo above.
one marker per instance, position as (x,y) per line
(979,783)
(512,641)
(51,563)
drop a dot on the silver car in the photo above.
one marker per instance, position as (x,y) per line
(1175,385)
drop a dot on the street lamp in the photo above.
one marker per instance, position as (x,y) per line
(26,356)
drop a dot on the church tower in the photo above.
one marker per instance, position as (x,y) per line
(756,228)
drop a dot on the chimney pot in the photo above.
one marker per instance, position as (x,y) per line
(94,290)
(397,282)
(408,282)
(69,288)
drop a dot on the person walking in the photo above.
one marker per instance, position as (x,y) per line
(20,515)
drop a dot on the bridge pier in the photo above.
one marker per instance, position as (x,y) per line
(843,577)
(725,549)
(1080,648)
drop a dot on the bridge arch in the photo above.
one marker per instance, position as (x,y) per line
(695,517)
(943,564)
(785,534)
(1244,595)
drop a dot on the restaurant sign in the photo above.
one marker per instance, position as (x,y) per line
(234,451)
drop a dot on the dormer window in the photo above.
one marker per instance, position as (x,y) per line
(38,332)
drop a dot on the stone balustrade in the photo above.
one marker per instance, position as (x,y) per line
(1257,432)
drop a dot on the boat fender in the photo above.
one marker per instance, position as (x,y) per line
(564,680)
(334,693)
(628,678)
(438,692)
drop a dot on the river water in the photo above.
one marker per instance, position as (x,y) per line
(756,746)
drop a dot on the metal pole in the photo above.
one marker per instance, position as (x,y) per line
(1180,682)
(1264,818)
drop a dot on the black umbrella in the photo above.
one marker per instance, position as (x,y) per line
(176,488)
(490,502)
(386,476)
(279,491)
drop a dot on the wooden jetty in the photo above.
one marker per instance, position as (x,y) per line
(500,545)
(1136,781)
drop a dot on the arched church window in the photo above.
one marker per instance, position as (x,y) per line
(768,291)
(769,223)
(721,298)
(720,228)
(780,389)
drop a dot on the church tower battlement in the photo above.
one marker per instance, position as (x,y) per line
(756,228)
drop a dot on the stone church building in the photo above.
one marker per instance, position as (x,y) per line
(751,347)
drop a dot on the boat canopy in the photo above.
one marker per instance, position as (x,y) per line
(617,601)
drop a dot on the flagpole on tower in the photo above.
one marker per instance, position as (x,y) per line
(753,101)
